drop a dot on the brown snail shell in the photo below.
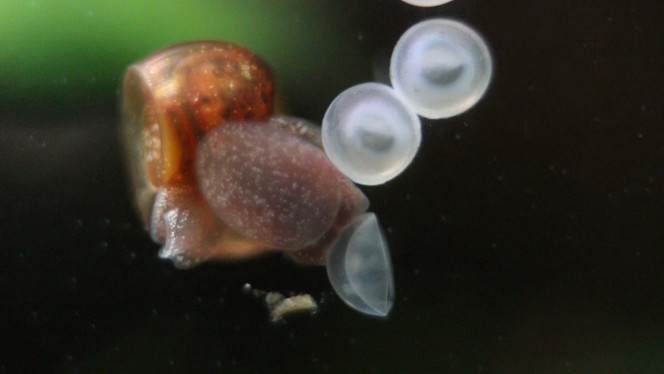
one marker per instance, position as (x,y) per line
(214,174)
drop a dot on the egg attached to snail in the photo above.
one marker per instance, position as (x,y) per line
(216,175)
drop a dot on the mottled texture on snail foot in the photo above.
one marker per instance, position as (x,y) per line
(176,95)
(273,185)
(426,3)
(261,186)
(353,203)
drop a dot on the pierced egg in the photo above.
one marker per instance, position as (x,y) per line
(215,176)
(360,269)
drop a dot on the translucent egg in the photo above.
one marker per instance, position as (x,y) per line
(426,3)
(359,267)
(442,68)
(370,133)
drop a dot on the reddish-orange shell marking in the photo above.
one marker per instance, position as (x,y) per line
(258,182)
(173,97)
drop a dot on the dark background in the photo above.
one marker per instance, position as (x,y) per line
(526,237)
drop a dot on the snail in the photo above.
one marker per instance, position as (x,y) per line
(216,175)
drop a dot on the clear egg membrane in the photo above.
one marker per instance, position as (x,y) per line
(426,3)
(441,67)
(370,133)
(359,267)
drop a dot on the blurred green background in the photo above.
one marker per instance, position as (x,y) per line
(58,55)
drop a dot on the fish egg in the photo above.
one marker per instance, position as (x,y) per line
(370,133)
(426,3)
(441,67)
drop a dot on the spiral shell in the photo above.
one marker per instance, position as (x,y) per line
(214,174)
(173,97)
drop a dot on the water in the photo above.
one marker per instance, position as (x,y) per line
(503,262)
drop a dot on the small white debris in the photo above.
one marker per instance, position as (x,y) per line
(294,304)
(273,298)
(281,306)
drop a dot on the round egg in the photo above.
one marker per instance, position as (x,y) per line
(441,67)
(370,133)
(426,3)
